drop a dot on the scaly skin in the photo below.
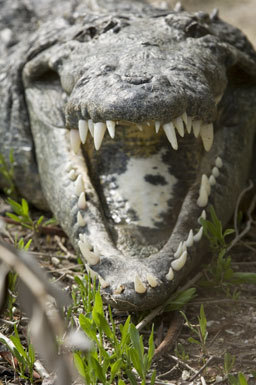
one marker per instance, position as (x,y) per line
(128,205)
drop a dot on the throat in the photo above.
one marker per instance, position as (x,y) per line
(140,196)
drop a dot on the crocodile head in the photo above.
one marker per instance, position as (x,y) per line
(140,123)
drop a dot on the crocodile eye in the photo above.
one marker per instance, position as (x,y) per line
(196,30)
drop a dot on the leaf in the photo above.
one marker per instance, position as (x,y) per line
(153,377)
(137,361)
(151,348)
(40,220)
(25,207)
(179,299)
(98,305)
(124,329)
(202,321)
(79,364)
(242,379)
(193,341)
(135,338)
(115,368)
(97,368)
(88,327)
(17,208)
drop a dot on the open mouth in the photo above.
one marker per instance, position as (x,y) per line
(142,174)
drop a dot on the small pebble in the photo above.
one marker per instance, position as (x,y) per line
(55,261)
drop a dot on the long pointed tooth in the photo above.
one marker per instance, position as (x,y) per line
(198,235)
(80,220)
(91,127)
(171,135)
(140,127)
(83,130)
(206,184)
(179,125)
(152,280)
(170,275)
(139,285)
(202,200)
(81,203)
(79,185)
(178,251)
(157,126)
(75,140)
(207,135)
(190,240)
(90,257)
(218,162)
(99,131)
(196,124)
(111,126)
(178,264)
(185,117)
(189,124)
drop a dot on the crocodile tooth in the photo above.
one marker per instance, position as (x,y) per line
(148,124)
(99,131)
(80,220)
(204,191)
(90,257)
(81,203)
(152,280)
(91,127)
(218,162)
(207,135)
(189,124)
(205,182)
(178,264)
(83,130)
(198,235)
(72,175)
(196,124)
(171,135)
(157,126)
(179,126)
(212,180)
(139,285)
(79,185)
(75,140)
(178,251)
(140,128)
(202,200)
(203,215)
(111,125)
(215,172)
(185,117)
(170,275)
(190,240)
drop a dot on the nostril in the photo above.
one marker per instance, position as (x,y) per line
(136,80)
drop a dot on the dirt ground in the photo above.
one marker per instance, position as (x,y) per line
(231,323)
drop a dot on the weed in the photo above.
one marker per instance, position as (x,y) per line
(220,272)
(229,362)
(180,352)
(239,380)
(25,357)
(200,330)
(7,172)
(119,351)
(23,217)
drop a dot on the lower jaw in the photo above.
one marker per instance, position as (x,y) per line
(138,283)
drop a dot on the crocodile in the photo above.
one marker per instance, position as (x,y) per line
(128,122)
